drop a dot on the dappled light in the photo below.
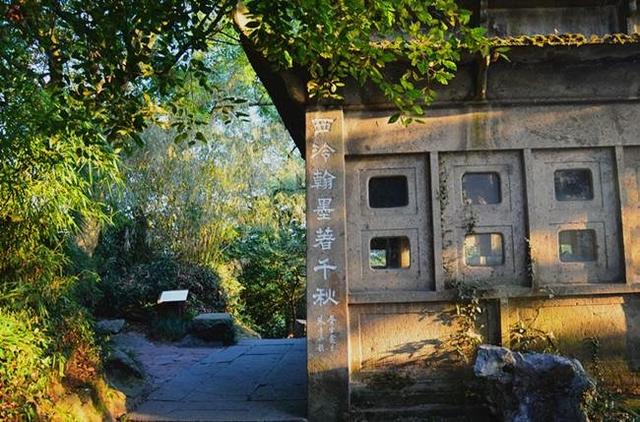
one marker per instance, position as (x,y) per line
(317,210)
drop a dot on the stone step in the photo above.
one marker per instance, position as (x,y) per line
(426,412)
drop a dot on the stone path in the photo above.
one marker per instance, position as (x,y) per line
(256,380)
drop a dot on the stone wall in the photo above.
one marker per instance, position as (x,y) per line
(550,141)
(402,257)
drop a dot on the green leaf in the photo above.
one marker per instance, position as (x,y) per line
(287,58)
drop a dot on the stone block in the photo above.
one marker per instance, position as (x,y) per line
(120,362)
(109,326)
(214,327)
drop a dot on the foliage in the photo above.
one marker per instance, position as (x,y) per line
(365,41)
(219,205)
(575,40)
(239,214)
(231,290)
(600,404)
(272,260)
(64,340)
(94,402)
(23,365)
(524,338)
(106,65)
(465,339)
(133,292)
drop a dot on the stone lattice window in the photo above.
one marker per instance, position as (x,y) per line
(481,188)
(577,245)
(389,253)
(483,250)
(388,192)
(573,185)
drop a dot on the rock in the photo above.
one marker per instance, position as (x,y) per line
(214,327)
(193,341)
(245,333)
(119,361)
(109,326)
(532,387)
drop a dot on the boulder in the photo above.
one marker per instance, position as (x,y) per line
(119,361)
(245,333)
(214,327)
(109,326)
(532,387)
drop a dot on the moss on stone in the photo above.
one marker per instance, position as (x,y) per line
(574,40)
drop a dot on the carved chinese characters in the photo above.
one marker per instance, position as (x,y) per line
(326,264)
(323,179)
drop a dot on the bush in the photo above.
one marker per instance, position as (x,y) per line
(134,293)
(24,365)
(273,277)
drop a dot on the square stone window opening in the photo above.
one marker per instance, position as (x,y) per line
(388,192)
(573,184)
(389,253)
(577,245)
(481,188)
(483,250)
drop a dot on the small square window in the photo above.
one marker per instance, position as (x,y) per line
(483,250)
(577,245)
(573,185)
(481,188)
(389,253)
(388,192)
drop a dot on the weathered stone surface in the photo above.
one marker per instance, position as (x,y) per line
(327,295)
(214,327)
(110,326)
(532,386)
(119,360)
(256,380)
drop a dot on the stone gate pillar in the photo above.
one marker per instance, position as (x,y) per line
(327,317)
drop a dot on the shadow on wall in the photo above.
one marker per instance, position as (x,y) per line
(406,355)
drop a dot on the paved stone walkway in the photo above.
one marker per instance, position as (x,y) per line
(256,380)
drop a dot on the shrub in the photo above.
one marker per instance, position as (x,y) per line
(133,293)
(24,365)
(273,276)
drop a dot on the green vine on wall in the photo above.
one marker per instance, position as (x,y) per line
(525,338)
(466,338)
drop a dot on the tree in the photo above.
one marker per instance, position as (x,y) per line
(271,252)
(234,204)
(361,40)
(107,63)
(80,81)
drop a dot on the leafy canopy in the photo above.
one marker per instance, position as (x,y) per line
(109,64)
(363,40)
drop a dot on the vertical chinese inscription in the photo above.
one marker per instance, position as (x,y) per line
(323,183)
(326,263)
